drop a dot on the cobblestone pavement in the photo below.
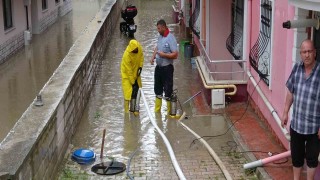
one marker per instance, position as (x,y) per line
(125,134)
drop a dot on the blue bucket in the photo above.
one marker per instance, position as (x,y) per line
(83,156)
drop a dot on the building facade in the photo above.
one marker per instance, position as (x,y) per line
(253,45)
(20,19)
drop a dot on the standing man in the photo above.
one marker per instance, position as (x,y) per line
(165,52)
(303,92)
(131,66)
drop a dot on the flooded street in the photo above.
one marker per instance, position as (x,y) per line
(126,133)
(24,74)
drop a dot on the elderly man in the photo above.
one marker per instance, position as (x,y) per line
(303,92)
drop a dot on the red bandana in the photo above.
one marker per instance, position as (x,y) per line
(166,33)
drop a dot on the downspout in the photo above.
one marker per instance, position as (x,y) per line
(27,16)
(261,162)
(271,109)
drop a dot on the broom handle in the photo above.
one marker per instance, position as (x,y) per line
(102,145)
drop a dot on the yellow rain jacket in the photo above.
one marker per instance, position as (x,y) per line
(130,64)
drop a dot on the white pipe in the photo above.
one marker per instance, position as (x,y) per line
(166,141)
(267,160)
(211,151)
(301,23)
(271,109)
(216,86)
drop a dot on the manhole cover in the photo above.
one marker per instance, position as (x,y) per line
(108,168)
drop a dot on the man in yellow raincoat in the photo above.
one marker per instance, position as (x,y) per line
(131,65)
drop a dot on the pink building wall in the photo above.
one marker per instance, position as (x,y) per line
(220,28)
(281,61)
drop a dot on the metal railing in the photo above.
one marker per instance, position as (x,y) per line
(226,71)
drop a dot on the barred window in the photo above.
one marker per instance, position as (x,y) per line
(234,41)
(260,53)
(194,22)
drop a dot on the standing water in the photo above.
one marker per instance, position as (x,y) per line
(24,74)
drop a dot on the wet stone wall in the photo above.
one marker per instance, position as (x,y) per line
(11,46)
(65,8)
(36,145)
(48,20)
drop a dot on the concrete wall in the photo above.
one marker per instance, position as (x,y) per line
(36,145)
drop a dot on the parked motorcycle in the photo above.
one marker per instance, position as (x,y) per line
(128,27)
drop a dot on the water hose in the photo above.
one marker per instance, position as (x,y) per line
(166,141)
(128,164)
(212,153)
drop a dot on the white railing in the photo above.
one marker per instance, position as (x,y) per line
(227,71)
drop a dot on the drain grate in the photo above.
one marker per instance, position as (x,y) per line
(108,168)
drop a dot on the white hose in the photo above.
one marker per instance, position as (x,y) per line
(211,151)
(166,141)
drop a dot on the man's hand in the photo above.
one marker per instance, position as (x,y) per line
(161,54)
(152,61)
(319,133)
(284,120)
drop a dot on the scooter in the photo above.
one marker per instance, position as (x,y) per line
(128,27)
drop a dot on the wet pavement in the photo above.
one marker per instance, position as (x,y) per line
(126,133)
(24,74)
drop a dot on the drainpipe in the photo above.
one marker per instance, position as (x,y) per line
(262,162)
(301,23)
(27,17)
(271,109)
(27,34)
(218,86)
(166,141)
(267,160)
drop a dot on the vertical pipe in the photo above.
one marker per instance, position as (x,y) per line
(102,144)
(27,16)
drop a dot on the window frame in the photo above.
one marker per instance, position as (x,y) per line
(7,25)
(44,5)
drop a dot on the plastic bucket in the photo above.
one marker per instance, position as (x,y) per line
(188,50)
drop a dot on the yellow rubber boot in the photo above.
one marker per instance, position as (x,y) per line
(158,104)
(126,106)
(168,107)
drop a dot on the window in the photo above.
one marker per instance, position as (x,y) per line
(44,4)
(234,42)
(260,54)
(7,14)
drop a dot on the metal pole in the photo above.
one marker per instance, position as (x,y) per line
(102,145)
(192,97)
